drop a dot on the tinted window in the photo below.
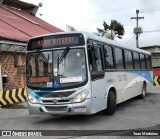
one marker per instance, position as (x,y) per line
(148,64)
(142,61)
(128,59)
(136,60)
(108,55)
(97,59)
(119,58)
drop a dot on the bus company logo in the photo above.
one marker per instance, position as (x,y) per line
(6,133)
(55,101)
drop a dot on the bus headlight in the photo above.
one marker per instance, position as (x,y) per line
(81,97)
(32,99)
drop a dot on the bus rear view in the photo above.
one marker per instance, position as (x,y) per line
(57,79)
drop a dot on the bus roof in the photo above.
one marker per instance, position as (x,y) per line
(97,38)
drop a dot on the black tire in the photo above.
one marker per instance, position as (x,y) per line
(143,95)
(111,104)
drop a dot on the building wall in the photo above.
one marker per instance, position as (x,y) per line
(152,50)
(156,62)
(16,75)
(1,89)
(155,58)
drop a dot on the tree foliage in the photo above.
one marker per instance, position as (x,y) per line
(115,29)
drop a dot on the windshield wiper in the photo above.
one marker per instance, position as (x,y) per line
(42,56)
(64,54)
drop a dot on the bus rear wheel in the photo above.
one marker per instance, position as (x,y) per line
(143,95)
(111,104)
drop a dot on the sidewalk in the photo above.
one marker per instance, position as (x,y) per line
(22,105)
(156,89)
(16,106)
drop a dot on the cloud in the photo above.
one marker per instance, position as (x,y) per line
(87,15)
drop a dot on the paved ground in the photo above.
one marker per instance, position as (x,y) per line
(135,114)
(155,89)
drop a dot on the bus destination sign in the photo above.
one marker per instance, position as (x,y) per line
(39,79)
(56,41)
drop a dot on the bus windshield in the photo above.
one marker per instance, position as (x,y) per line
(59,68)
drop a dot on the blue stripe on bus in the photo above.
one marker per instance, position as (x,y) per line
(146,74)
(34,94)
(43,92)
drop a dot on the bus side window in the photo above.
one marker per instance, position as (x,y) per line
(148,62)
(108,55)
(119,58)
(136,60)
(142,61)
(128,59)
(97,59)
(94,57)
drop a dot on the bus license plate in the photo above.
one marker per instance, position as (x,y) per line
(80,109)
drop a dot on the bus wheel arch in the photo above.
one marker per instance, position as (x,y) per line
(111,102)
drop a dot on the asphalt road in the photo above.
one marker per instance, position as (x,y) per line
(134,114)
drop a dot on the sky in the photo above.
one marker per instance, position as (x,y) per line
(87,15)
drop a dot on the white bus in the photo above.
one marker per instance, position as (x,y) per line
(81,73)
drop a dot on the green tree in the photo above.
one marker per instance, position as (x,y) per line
(115,29)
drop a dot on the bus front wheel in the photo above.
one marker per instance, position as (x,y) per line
(111,104)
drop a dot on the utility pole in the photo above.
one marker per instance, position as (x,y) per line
(137,30)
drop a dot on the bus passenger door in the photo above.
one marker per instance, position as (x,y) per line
(97,79)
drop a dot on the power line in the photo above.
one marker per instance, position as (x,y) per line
(149,10)
(151,31)
(130,39)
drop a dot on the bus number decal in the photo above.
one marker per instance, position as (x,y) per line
(110,80)
(122,77)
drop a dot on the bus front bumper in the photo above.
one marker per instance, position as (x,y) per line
(84,108)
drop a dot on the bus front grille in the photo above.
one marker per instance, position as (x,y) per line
(59,108)
(58,94)
(57,102)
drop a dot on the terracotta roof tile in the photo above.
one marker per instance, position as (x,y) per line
(22,25)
